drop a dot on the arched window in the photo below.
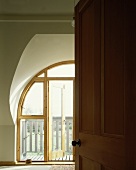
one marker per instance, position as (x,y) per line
(46,115)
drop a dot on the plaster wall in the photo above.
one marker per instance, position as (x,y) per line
(14,37)
(7,140)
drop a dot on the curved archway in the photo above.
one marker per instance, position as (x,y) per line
(42,51)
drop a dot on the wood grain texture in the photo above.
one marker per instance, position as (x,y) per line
(106,84)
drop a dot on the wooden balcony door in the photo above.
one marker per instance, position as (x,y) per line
(45,123)
(61,109)
(105,85)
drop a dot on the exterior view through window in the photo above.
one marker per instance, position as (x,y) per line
(46,115)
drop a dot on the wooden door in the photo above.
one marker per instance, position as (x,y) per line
(105,85)
(61,118)
(56,120)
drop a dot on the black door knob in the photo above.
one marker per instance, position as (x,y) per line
(78,142)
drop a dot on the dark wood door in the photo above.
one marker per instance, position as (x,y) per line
(105,85)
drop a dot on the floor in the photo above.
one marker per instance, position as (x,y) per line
(39,167)
(44,167)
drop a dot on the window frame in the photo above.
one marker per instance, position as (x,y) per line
(45,115)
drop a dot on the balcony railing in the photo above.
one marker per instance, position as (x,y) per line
(32,138)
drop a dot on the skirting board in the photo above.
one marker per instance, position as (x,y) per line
(11,163)
(5,163)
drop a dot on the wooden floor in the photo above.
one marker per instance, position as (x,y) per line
(41,158)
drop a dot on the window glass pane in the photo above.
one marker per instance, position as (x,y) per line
(61,119)
(32,139)
(33,104)
(67,70)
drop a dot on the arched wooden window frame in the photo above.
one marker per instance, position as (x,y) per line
(45,115)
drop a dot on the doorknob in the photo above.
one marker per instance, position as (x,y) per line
(78,142)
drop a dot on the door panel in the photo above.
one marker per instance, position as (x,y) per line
(101,86)
(90,105)
(114,65)
(104,150)
(107,168)
(85,163)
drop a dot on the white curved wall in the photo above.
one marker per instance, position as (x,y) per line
(42,51)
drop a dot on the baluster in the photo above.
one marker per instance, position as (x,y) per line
(67,135)
(23,137)
(53,129)
(31,130)
(25,151)
(41,136)
(57,134)
(36,132)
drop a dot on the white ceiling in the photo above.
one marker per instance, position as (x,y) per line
(37,7)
